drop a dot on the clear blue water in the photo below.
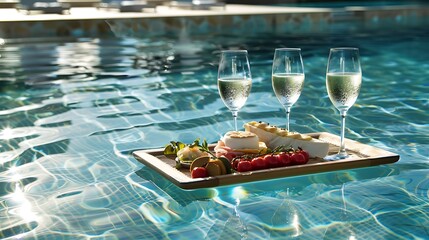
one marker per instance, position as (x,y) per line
(73,110)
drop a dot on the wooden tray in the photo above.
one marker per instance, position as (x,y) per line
(362,155)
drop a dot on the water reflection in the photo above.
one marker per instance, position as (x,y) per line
(22,215)
(20,206)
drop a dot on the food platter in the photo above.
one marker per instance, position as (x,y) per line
(362,155)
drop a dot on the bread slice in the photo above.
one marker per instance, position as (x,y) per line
(274,137)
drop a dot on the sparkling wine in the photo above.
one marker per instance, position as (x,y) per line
(234,91)
(288,87)
(343,89)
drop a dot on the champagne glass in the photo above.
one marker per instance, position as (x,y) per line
(343,82)
(234,80)
(287,77)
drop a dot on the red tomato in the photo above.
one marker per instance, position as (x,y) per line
(298,159)
(272,161)
(235,162)
(199,172)
(244,166)
(305,153)
(284,158)
(258,163)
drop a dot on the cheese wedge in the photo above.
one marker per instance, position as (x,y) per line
(274,137)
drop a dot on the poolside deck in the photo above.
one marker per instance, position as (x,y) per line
(91,21)
(92,13)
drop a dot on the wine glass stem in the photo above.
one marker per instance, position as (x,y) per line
(342,151)
(287,117)
(234,115)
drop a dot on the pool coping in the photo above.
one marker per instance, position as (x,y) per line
(81,13)
(13,15)
(93,22)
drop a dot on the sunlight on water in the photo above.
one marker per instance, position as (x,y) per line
(6,133)
(22,206)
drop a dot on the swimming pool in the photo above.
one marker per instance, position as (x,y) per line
(72,111)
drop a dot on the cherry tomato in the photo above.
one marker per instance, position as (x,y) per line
(244,166)
(305,153)
(284,158)
(297,158)
(258,163)
(235,162)
(199,172)
(272,161)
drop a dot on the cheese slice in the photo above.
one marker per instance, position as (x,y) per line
(274,137)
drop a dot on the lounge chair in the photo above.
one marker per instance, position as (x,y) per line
(43,6)
(198,4)
(127,5)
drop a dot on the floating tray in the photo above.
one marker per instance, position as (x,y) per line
(362,155)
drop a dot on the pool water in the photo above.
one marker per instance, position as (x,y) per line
(73,110)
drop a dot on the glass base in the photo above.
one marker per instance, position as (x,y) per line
(337,156)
